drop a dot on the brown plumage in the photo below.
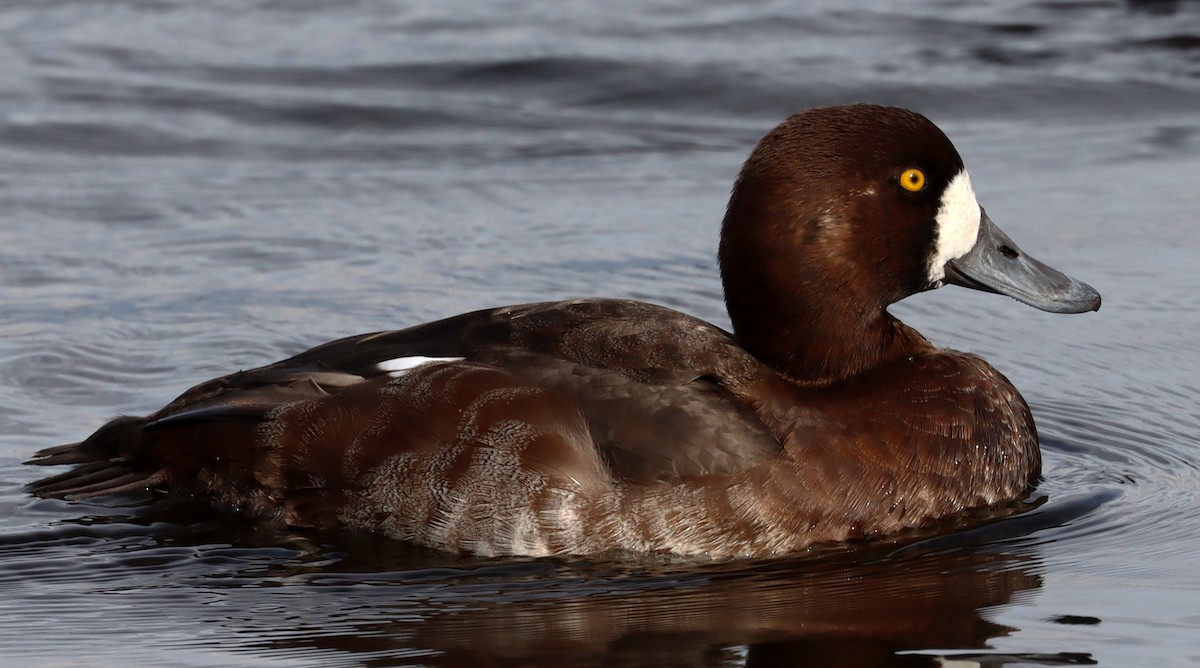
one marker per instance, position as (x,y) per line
(596,425)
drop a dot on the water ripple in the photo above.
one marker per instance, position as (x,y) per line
(192,188)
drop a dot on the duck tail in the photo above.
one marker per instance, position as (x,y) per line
(101,464)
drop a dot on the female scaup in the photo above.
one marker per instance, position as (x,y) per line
(594,425)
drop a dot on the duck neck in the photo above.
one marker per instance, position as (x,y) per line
(814,342)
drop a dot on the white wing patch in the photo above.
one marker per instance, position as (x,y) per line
(957,224)
(401,365)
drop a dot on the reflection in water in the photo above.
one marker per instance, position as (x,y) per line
(369,600)
(820,613)
(258,591)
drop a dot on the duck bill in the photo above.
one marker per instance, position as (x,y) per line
(996,264)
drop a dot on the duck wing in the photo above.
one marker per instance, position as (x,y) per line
(656,389)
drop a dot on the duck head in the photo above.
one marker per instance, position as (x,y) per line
(840,212)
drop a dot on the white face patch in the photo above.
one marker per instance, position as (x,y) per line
(957,224)
(400,365)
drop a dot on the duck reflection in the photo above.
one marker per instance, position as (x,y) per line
(848,609)
(352,598)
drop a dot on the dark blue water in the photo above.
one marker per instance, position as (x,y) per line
(191,188)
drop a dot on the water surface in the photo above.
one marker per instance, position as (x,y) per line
(191,188)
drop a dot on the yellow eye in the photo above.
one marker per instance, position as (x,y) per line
(913,180)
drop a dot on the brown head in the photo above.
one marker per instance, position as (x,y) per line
(840,212)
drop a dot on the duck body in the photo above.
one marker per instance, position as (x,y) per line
(600,425)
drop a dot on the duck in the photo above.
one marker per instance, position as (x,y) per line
(594,426)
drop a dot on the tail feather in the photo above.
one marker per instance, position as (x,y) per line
(102,464)
(94,479)
(60,455)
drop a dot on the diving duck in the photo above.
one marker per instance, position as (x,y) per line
(597,425)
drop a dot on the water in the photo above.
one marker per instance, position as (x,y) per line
(191,188)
